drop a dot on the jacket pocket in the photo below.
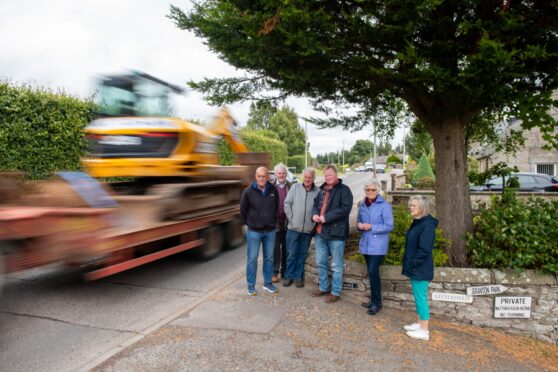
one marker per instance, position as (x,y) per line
(337,229)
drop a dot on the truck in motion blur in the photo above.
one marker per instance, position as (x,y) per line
(170,193)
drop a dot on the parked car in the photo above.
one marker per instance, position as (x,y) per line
(527,182)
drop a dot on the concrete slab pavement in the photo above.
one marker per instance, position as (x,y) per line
(292,331)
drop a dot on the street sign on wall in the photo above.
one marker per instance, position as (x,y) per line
(451,297)
(486,290)
(512,307)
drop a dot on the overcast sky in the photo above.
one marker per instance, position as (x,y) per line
(64,44)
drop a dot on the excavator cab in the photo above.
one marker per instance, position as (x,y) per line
(135,94)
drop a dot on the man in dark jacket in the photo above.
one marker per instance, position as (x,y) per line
(258,210)
(331,212)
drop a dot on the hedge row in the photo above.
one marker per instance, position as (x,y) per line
(40,131)
(255,143)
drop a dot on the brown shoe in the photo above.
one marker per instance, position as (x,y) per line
(274,279)
(317,293)
(330,298)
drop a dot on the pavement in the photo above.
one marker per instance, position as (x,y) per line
(292,331)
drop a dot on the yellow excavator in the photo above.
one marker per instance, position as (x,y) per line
(136,137)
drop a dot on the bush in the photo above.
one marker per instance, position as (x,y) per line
(41,131)
(394,159)
(297,161)
(402,221)
(255,143)
(423,170)
(426,183)
(515,234)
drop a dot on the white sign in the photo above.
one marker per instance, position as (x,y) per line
(451,297)
(512,307)
(120,140)
(486,290)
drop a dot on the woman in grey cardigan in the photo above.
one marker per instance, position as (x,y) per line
(298,208)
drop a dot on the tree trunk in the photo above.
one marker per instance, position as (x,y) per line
(453,202)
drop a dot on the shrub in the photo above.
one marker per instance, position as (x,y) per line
(394,159)
(255,143)
(426,183)
(423,169)
(41,131)
(298,162)
(516,234)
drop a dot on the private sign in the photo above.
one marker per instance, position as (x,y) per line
(512,307)
(486,290)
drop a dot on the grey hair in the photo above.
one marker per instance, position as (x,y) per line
(332,167)
(423,204)
(374,182)
(280,165)
(310,170)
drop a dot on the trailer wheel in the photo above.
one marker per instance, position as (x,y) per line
(234,236)
(214,242)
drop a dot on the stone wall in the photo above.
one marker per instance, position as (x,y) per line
(397,293)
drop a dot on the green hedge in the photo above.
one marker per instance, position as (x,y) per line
(516,234)
(255,143)
(41,131)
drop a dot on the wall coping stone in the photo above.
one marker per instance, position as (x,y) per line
(526,277)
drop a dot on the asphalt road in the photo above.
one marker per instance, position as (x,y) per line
(50,322)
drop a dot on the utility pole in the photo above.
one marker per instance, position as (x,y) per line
(375,154)
(343,149)
(306,146)
(404,148)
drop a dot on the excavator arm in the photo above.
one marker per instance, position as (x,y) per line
(224,125)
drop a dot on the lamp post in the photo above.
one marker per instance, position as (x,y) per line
(343,150)
(306,144)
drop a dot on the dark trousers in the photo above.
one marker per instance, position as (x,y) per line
(280,253)
(373,264)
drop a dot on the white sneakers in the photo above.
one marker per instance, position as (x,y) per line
(419,334)
(411,327)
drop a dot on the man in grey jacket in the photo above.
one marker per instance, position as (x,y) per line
(298,208)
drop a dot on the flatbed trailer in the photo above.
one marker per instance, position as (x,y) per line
(88,238)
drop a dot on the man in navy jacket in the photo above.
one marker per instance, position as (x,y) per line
(331,212)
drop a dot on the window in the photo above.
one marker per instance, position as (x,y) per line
(546,169)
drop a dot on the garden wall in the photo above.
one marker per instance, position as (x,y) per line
(396,293)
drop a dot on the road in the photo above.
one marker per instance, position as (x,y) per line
(50,322)
(54,323)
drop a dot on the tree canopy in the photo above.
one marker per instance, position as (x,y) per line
(282,122)
(455,64)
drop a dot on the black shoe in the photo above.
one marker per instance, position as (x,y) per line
(374,309)
(287,282)
(366,304)
(299,283)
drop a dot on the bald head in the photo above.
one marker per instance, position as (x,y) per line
(262,175)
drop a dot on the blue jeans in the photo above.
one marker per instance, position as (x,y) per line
(335,249)
(253,240)
(373,263)
(297,251)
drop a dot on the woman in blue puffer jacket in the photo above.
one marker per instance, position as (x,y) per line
(375,222)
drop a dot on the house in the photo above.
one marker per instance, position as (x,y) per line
(530,158)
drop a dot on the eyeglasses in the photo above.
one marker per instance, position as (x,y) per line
(371,190)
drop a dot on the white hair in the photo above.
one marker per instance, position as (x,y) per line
(423,204)
(312,171)
(280,166)
(374,182)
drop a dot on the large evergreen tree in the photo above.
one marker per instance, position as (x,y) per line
(455,64)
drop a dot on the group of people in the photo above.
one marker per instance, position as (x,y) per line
(282,218)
